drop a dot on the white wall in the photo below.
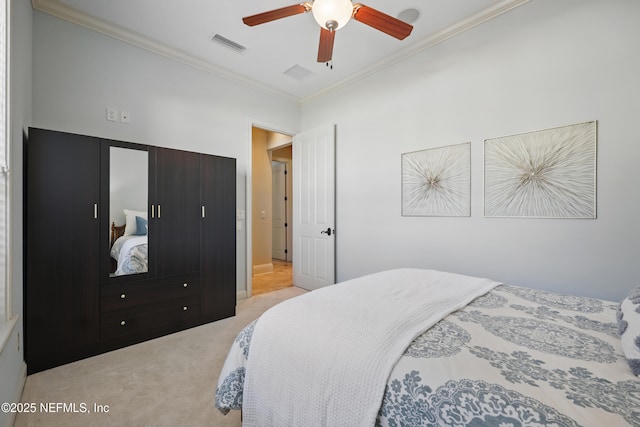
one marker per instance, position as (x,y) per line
(548,63)
(77,73)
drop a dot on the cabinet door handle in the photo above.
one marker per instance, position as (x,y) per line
(158,211)
(202,211)
(95,211)
(153,210)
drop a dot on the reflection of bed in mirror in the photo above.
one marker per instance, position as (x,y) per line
(129,251)
(128,199)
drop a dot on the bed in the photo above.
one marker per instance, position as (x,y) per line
(508,356)
(129,249)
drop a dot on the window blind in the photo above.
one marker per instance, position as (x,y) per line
(4,170)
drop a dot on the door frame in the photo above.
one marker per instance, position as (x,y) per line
(284,201)
(248,197)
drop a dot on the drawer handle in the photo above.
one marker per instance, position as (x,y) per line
(123,296)
(184,285)
(122,323)
(184,308)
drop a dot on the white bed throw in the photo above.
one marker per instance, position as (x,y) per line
(323,358)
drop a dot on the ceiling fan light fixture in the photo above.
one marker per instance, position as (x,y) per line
(332,14)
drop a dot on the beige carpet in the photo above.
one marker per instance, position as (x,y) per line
(169,381)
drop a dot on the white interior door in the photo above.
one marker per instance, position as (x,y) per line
(279,209)
(314,208)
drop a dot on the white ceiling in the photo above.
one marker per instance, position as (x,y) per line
(183,30)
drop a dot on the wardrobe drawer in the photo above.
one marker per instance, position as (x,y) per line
(148,316)
(115,297)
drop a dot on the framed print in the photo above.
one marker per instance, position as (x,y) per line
(437,181)
(543,174)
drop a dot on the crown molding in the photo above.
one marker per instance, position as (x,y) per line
(55,8)
(59,10)
(497,9)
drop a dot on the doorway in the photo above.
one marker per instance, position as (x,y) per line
(312,224)
(271,200)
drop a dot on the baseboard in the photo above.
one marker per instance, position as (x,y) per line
(263,268)
(11,361)
(11,416)
(241,295)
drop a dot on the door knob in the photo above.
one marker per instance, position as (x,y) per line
(328,231)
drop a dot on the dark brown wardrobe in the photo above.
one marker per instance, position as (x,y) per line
(76,305)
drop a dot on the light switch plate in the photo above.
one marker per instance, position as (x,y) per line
(112,114)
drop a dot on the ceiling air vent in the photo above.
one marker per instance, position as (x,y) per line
(298,72)
(236,47)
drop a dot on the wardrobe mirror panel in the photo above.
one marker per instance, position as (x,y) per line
(128,214)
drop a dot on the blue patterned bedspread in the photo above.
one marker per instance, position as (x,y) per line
(131,254)
(514,357)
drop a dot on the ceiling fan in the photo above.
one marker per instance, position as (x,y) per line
(332,15)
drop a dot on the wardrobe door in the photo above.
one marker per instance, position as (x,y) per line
(62,233)
(218,237)
(175,232)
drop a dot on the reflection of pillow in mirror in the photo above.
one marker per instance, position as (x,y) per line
(130,225)
(141,226)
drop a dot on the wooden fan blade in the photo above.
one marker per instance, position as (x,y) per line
(272,15)
(325,50)
(381,21)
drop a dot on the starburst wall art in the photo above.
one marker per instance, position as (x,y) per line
(544,174)
(437,181)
